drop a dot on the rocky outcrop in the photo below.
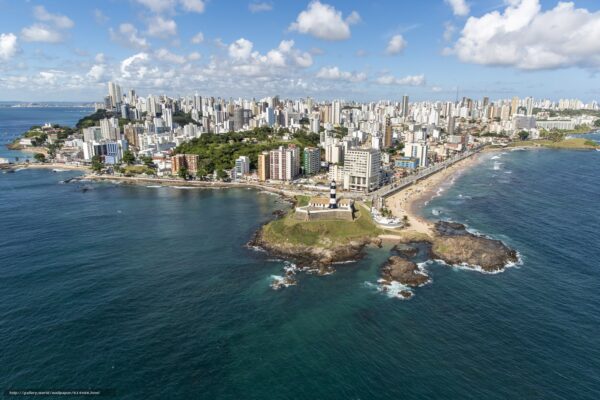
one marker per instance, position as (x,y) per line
(405,250)
(455,245)
(316,258)
(404,271)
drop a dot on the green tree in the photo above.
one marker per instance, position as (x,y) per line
(97,164)
(128,157)
(222,175)
(597,123)
(183,173)
(523,135)
(147,161)
(52,149)
(39,157)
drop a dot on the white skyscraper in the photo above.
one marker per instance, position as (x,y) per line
(284,163)
(168,117)
(114,92)
(336,112)
(362,169)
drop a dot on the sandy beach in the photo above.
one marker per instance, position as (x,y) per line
(58,166)
(410,200)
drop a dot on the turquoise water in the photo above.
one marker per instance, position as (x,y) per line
(14,121)
(151,292)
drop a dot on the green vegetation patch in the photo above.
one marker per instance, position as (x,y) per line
(219,152)
(321,233)
(573,144)
(138,170)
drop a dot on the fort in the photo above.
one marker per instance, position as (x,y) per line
(319,208)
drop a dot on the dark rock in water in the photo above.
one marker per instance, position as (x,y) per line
(406,250)
(455,245)
(406,272)
(446,228)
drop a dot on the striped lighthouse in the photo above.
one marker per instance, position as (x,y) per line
(332,199)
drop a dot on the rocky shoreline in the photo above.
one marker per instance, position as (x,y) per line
(317,258)
(451,243)
(456,246)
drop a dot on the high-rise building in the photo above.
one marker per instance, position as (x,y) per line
(451,125)
(167,116)
(405,106)
(132,133)
(238,119)
(114,93)
(362,169)
(514,106)
(187,161)
(387,137)
(242,165)
(263,166)
(418,151)
(311,160)
(284,163)
(315,124)
(270,116)
(529,106)
(110,128)
(336,112)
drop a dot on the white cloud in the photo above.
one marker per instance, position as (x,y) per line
(158,6)
(194,56)
(256,7)
(449,30)
(8,46)
(276,61)
(161,27)
(198,38)
(324,22)
(410,80)
(40,33)
(128,36)
(334,73)
(60,21)
(167,56)
(168,6)
(396,44)
(240,49)
(196,6)
(97,73)
(135,66)
(353,18)
(525,37)
(99,16)
(460,7)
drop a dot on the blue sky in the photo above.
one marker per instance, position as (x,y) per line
(355,50)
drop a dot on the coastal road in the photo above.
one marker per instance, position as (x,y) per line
(403,183)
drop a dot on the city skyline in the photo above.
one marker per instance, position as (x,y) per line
(58,51)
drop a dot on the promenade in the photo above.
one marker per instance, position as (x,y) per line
(403,183)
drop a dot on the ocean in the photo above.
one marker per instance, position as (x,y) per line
(152,293)
(14,121)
